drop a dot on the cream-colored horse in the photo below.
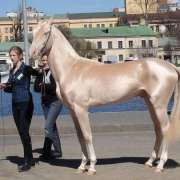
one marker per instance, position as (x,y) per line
(82,83)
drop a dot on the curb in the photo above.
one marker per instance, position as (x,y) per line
(100,123)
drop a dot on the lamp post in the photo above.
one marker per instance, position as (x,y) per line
(25,31)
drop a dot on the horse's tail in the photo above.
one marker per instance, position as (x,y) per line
(173,132)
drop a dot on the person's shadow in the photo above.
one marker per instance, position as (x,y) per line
(74,163)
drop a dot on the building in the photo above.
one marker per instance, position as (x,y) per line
(117,44)
(70,20)
(167,25)
(150,6)
(141,6)
(108,21)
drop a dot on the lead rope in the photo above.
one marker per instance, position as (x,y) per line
(43,89)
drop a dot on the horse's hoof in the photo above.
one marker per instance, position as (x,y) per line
(159,170)
(91,172)
(80,171)
(148,164)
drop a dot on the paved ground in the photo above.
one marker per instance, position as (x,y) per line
(122,142)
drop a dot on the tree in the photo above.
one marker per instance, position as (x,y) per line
(17,26)
(82,47)
(146,7)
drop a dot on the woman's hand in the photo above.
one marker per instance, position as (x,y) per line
(2,86)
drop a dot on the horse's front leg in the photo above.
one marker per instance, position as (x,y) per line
(82,168)
(83,121)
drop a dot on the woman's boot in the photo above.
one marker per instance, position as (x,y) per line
(28,158)
(57,148)
(46,152)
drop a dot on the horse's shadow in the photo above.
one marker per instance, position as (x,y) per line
(74,163)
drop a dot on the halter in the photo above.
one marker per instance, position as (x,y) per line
(45,44)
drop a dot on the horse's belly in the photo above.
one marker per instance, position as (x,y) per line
(110,95)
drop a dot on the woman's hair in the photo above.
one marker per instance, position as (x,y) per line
(17,49)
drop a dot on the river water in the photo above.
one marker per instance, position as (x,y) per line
(135,104)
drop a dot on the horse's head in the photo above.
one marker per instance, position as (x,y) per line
(41,37)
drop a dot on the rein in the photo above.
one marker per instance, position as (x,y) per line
(45,44)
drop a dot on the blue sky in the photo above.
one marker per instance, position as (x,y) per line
(51,7)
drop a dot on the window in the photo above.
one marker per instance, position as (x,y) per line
(120,57)
(11,38)
(6,30)
(6,38)
(85,25)
(151,43)
(11,30)
(102,25)
(90,25)
(130,44)
(110,25)
(99,45)
(131,55)
(98,25)
(120,44)
(157,28)
(143,43)
(30,29)
(152,27)
(109,44)
(172,28)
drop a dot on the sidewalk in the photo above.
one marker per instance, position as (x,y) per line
(122,141)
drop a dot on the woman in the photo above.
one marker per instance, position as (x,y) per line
(22,104)
(51,107)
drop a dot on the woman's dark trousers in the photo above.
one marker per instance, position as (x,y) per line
(22,113)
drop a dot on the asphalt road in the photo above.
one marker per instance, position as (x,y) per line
(123,141)
(121,156)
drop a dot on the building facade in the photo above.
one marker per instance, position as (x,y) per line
(120,43)
(70,20)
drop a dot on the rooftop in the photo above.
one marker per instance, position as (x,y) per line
(120,31)
(5,46)
(94,15)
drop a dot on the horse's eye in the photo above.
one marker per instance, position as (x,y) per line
(46,33)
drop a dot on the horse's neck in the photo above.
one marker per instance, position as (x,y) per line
(62,43)
(62,55)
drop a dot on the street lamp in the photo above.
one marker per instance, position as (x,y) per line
(25,31)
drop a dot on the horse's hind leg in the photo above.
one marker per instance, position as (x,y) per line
(158,134)
(164,123)
(162,117)
(83,121)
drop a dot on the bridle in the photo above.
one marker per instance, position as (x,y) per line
(42,51)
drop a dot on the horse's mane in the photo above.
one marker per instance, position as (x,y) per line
(62,40)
